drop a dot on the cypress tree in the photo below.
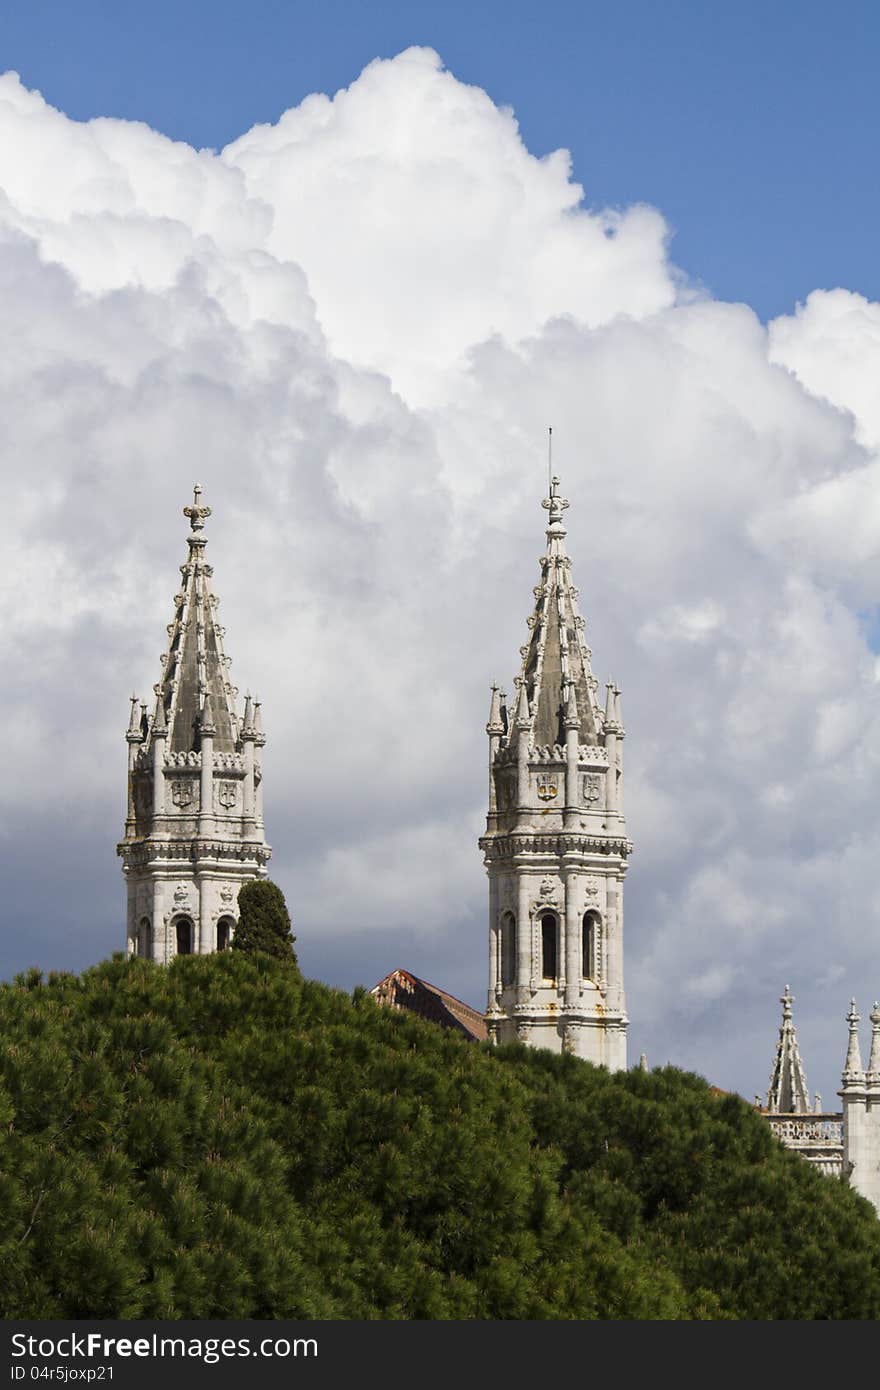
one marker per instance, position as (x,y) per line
(264,922)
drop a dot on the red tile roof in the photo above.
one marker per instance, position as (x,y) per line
(402,990)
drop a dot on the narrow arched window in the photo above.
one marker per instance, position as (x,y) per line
(184,936)
(590,946)
(143,938)
(508,948)
(548,946)
(224,934)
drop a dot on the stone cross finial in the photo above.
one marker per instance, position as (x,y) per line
(786,999)
(555,504)
(196,512)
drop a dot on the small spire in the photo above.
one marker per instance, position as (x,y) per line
(135,733)
(523,716)
(643,1061)
(505,720)
(248,717)
(609,703)
(160,728)
(259,736)
(788,1093)
(873,1073)
(495,724)
(572,717)
(206,722)
(852,1067)
(197,512)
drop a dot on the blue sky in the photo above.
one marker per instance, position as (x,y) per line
(752,126)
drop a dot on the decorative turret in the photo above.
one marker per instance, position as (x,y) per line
(860,1093)
(853,1072)
(194,831)
(872,1075)
(555,845)
(788,1093)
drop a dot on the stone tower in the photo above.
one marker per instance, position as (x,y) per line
(194,828)
(555,846)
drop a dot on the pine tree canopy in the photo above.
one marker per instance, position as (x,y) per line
(217,1139)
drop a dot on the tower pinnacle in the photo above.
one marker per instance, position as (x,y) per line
(194,830)
(555,845)
(788,1094)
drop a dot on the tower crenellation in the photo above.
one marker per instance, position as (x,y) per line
(555,846)
(194,826)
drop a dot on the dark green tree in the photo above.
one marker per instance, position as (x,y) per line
(264,922)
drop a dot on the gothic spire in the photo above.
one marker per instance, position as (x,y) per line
(194,692)
(873,1073)
(788,1094)
(556,659)
(852,1067)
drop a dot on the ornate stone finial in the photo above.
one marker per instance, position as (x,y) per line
(572,714)
(160,728)
(135,734)
(555,505)
(259,736)
(206,721)
(788,1093)
(495,724)
(196,512)
(523,714)
(852,1067)
(874,1059)
(247,719)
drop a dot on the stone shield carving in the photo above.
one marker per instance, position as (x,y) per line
(183,792)
(592,788)
(227,795)
(548,787)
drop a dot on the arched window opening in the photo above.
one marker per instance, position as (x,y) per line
(508,948)
(143,938)
(590,946)
(224,934)
(184,936)
(548,946)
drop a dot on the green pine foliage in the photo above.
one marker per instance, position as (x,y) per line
(264,922)
(218,1139)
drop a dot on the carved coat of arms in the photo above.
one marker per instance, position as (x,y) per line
(592,787)
(182,792)
(227,794)
(548,786)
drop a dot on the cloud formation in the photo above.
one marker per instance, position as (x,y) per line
(354,327)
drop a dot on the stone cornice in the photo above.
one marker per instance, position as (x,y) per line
(510,846)
(140,853)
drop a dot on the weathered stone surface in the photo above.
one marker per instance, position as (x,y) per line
(194,831)
(555,847)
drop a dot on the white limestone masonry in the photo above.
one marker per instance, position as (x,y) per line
(555,847)
(194,828)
